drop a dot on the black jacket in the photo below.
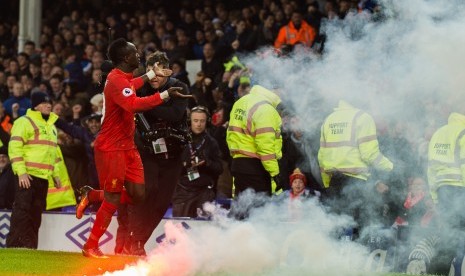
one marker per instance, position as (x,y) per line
(171,114)
(205,147)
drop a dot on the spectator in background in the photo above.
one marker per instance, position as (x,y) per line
(86,133)
(34,71)
(300,149)
(297,31)
(4,91)
(6,123)
(202,166)
(13,68)
(23,63)
(34,164)
(298,187)
(198,44)
(211,66)
(56,85)
(7,180)
(17,101)
(179,71)
(265,34)
(45,71)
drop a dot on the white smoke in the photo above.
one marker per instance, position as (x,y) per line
(292,238)
(408,66)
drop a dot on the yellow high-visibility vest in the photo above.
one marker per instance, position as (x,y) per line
(33,145)
(349,145)
(254,129)
(446,155)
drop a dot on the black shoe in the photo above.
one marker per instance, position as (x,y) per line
(134,249)
(93,252)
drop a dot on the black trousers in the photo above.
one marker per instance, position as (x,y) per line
(26,215)
(346,195)
(250,173)
(161,177)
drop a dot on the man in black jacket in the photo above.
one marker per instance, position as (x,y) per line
(160,151)
(202,166)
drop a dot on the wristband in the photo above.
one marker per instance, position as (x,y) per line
(150,74)
(164,95)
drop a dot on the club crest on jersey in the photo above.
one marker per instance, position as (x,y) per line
(127,92)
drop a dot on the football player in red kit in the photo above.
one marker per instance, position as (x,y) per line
(118,163)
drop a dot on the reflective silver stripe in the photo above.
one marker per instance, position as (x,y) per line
(367,139)
(378,159)
(39,166)
(439,163)
(264,130)
(254,155)
(16,159)
(250,114)
(451,176)
(34,126)
(41,142)
(236,129)
(347,170)
(17,138)
(335,144)
(354,126)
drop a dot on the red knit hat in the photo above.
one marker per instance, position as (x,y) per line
(297,174)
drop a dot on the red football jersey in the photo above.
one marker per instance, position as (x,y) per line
(119,105)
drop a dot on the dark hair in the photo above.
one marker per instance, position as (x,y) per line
(117,51)
(159,57)
(30,42)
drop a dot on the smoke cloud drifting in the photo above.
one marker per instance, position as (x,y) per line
(406,67)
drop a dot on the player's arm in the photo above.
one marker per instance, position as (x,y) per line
(125,96)
(152,73)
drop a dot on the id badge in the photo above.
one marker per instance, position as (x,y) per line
(193,174)
(159,146)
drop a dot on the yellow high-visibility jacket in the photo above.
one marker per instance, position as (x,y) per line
(254,129)
(446,155)
(349,145)
(33,145)
(64,196)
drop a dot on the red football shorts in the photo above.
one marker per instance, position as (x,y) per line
(116,167)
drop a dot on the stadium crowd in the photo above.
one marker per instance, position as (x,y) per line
(68,64)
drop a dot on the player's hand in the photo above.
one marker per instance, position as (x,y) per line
(175,92)
(162,72)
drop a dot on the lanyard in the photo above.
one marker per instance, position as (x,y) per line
(196,149)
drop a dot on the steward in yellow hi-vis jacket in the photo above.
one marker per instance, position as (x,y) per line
(254,140)
(33,154)
(446,178)
(348,148)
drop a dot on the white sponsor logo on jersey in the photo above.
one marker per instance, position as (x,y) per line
(127,92)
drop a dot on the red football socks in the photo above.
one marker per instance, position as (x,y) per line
(102,220)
